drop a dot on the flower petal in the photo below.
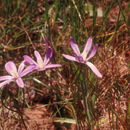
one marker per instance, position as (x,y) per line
(29,60)
(72,58)
(93,52)
(48,56)
(21,67)
(38,57)
(11,68)
(28,70)
(87,48)
(52,66)
(75,47)
(94,69)
(19,82)
(8,77)
(5,82)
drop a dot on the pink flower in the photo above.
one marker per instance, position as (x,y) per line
(15,75)
(84,57)
(40,64)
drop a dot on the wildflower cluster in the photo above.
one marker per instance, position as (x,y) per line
(28,64)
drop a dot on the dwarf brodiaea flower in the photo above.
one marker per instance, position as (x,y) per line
(40,64)
(84,57)
(15,75)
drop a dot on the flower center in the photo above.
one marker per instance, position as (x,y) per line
(40,64)
(80,59)
(15,75)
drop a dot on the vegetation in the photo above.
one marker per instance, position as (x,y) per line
(70,96)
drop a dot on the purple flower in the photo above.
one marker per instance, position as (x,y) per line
(40,64)
(15,75)
(84,57)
